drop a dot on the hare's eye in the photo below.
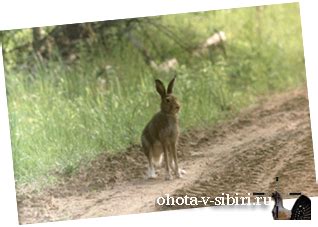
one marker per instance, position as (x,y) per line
(167,99)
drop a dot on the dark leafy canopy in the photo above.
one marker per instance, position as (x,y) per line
(67,41)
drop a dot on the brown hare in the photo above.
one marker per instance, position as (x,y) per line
(159,137)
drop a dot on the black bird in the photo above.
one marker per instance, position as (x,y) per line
(300,211)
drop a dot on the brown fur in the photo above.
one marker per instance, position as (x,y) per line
(160,135)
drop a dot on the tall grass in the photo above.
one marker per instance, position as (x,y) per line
(62,115)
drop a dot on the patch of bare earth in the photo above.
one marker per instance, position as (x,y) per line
(240,156)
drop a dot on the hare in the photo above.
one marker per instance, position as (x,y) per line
(159,137)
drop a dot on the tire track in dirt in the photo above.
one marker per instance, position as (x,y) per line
(279,145)
(240,156)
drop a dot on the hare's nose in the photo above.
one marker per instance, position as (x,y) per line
(177,107)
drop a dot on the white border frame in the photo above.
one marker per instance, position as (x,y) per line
(21,14)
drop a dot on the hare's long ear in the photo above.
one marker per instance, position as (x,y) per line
(160,88)
(170,86)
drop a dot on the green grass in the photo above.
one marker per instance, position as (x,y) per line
(62,115)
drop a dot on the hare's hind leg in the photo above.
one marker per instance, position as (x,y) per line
(151,169)
(148,151)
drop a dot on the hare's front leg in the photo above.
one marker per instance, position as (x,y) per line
(178,171)
(166,156)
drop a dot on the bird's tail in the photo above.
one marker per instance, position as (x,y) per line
(301,209)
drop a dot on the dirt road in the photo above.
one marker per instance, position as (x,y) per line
(243,155)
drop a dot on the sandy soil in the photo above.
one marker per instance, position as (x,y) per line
(243,155)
